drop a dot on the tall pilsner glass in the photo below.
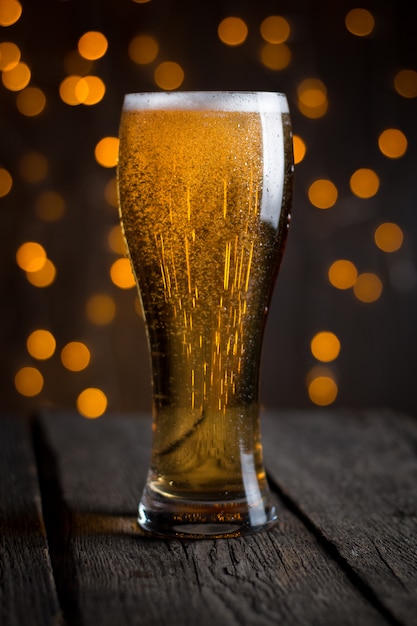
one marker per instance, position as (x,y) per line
(205,183)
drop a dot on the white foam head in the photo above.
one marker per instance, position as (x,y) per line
(243,101)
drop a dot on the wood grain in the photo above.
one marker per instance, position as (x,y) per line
(353,476)
(108,572)
(27,590)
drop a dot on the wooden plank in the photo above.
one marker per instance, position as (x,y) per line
(353,475)
(111,573)
(27,589)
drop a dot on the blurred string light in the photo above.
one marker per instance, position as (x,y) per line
(342,274)
(116,241)
(6,182)
(321,385)
(10,12)
(323,193)
(75,356)
(110,193)
(32,259)
(92,402)
(360,22)
(143,49)
(106,151)
(388,237)
(405,83)
(368,287)
(275,54)
(31,101)
(100,309)
(299,148)
(33,167)
(9,55)
(325,346)
(232,31)
(121,274)
(17,77)
(29,381)
(392,143)
(169,75)
(92,45)
(364,183)
(312,98)
(41,344)
(50,206)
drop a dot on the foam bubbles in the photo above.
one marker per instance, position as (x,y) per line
(243,101)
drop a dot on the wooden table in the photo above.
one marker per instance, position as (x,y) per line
(344,550)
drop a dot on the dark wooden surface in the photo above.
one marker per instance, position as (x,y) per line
(344,551)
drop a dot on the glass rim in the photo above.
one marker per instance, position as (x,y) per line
(244,101)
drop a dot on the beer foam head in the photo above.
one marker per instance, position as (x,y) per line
(242,101)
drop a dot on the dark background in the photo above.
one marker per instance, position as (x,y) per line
(376,365)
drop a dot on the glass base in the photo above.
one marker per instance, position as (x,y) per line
(187,519)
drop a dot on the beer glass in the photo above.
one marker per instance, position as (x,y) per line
(205,182)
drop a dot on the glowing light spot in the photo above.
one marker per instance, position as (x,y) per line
(405,83)
(169,75)
(6,182)
(92,45)
(389,237)
(75,356)
(28,381)
(31,256)
(342,274)
(322,390)
(275,29)
(322,194)
(44,276)
(325,346)
(110,192)
(92,403)
(360,22)
(10,12)
(368,287)
(50,206)
(75,64)
(106,151)
(299,148)
(33,167)
(31,101)
(121,274)
(141,1)
(9,55)
(143,49)
(364,183)
(275,56)
(116,240)
(17,77)
(232,31)
(95,90)
(41,344)
(392,143)
(100,309)
(312,98)
(69,90)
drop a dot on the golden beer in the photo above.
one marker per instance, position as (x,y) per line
(205,189)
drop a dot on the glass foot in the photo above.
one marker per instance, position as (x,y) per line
(202,519)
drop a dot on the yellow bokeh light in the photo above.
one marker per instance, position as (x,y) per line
(121,274)
(405,83)
(275,56)
(43,277)
(342,274)
(325,346)
(75,356)
(275,29)
(232,31)
(33,167)
(312,98)
(364,183)
(392,143)
(143,49)
(41,344)
(106,151)
(368,287)
(100,309)
(10,12)
(116,240)
(69,90)
(95,90)
(17,77)
(360,22)
(169,75)
(6,182)
(75,64)
(9,55)
(31,256)
(92,45)
(31,101)
(322,390)
(110,192)
(50,206)
(92,402)
(299,149)
(322,194)
(28,381)
(389,237)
